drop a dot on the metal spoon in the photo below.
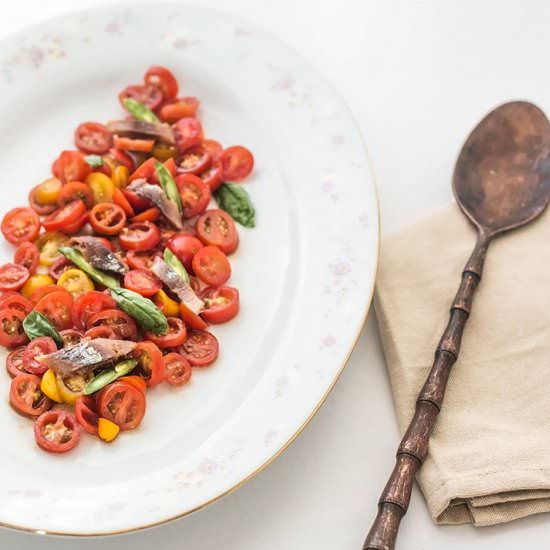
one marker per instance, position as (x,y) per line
(501,181)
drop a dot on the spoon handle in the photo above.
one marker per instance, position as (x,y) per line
(413,449)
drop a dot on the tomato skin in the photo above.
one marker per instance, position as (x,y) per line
(237,163)
(200,349)
(38,207)
(163,79)
(65,423)
(213,176)
(172,111)
(71,166)
(148,95)
(185,247)
(211,265)
(73,191)
(177,369)
(187,133)
(13,276)
(76,226)
(56,306)
(222,304)
(102,331)
(11,328)
(149,215)
(93,137)
(217,228)
(213,147)
(16,301)
(65,216)
(85,306)
(39,346)
(122,201)
(175,336)
(137,203)
(150,365)
(86,414)
(14,362)
(191,319)
(107,218)
(141,259)
(20,225)
(120,322)
(123,404)
(71,337)
(136,381)
(27,255)
(26,397)
(128,144)
(142,281)
(144,170)
(139,236)
(194,193)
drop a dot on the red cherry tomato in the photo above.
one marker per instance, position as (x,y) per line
(26,397)
(119,158)
(11,328)
(93,137)
(76,226)
(71,166)
(137,203)
(13,276)
(144,170)
(150,365)
(64,216)
(194,194)
(86,305)
(210,264)
(107,218)
(14,362)
(237,162)
(122,201)
(188,133)
(191,319)
(43,345)
(183,107)
(27,255)
(73,191)
(222,304)
(121,323)
(163,79)
(71,337)
(149,215)
(103,331)
(185,247)
(20,225)
(56,306)
(170,165)
(135,381)
(175,336)
(142,281)
(85,410)
(16,301)
(139,145)
(194,161)
(139,236)
(41,291)
(213,147)
(123,404)
(213,177)
(148,95)
(217,228)
(37,206)
(141,259)
(59,266)
(200,348)
(57,431)
(177,369)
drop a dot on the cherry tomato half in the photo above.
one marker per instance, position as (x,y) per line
(73,191)
(139,236)
(11,328)
(26,397)
(64,216)
(107,218)
(217,228)
(150,365)
(93,137)
(187,133)
(213,147)
(213,176)
(185,247)
(20,225)
(57,431)
(163,79)
(175,336)
(200,348)
(149,215)
(43,345)
(150,96)
(138,203)
(194,161)
(122,201)
(222,304)
(37,206)
(177,369)
(56,306)
(210,264)
(71,337)
(16,301)
(71,166)
(59,267)
(141,259)
(27,255)
(237,162)
(194,194)
(121,323)
(13,276)
(102,331)
(85,410)
(14,362)
(136,381)
(183,107)
(123,404)
(87,305)
(142,281)
(192,319)
(144,170)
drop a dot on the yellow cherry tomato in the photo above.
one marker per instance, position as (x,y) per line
(36,281)
(120,176)
(48,244)
(169,307)
(72,386)
(163,152)
(106,429)
(48,385)
(102,187)
(76,282)
(48,191)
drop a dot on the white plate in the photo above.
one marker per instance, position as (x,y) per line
(306,272)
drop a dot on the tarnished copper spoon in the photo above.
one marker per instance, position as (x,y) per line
(501,181)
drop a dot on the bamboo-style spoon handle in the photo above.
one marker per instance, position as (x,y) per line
(413,449)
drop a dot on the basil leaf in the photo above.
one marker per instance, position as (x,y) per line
(35,325)
(143,310)
(139,111)
(168,184)
(94,160)
(98,276)
(234,199)
(109,375)
(173,261)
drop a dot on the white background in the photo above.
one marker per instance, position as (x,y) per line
(417,75)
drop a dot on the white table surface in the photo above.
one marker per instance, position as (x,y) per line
(417,76)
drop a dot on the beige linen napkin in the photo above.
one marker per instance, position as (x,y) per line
(489,459)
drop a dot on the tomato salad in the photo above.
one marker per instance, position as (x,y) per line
(120,266)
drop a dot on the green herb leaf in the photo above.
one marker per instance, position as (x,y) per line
(168,184)
(94,160)
(98,276)
(173,261)
(143,310)
(139,111)
(234,199)
(109,375)
(35,325)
